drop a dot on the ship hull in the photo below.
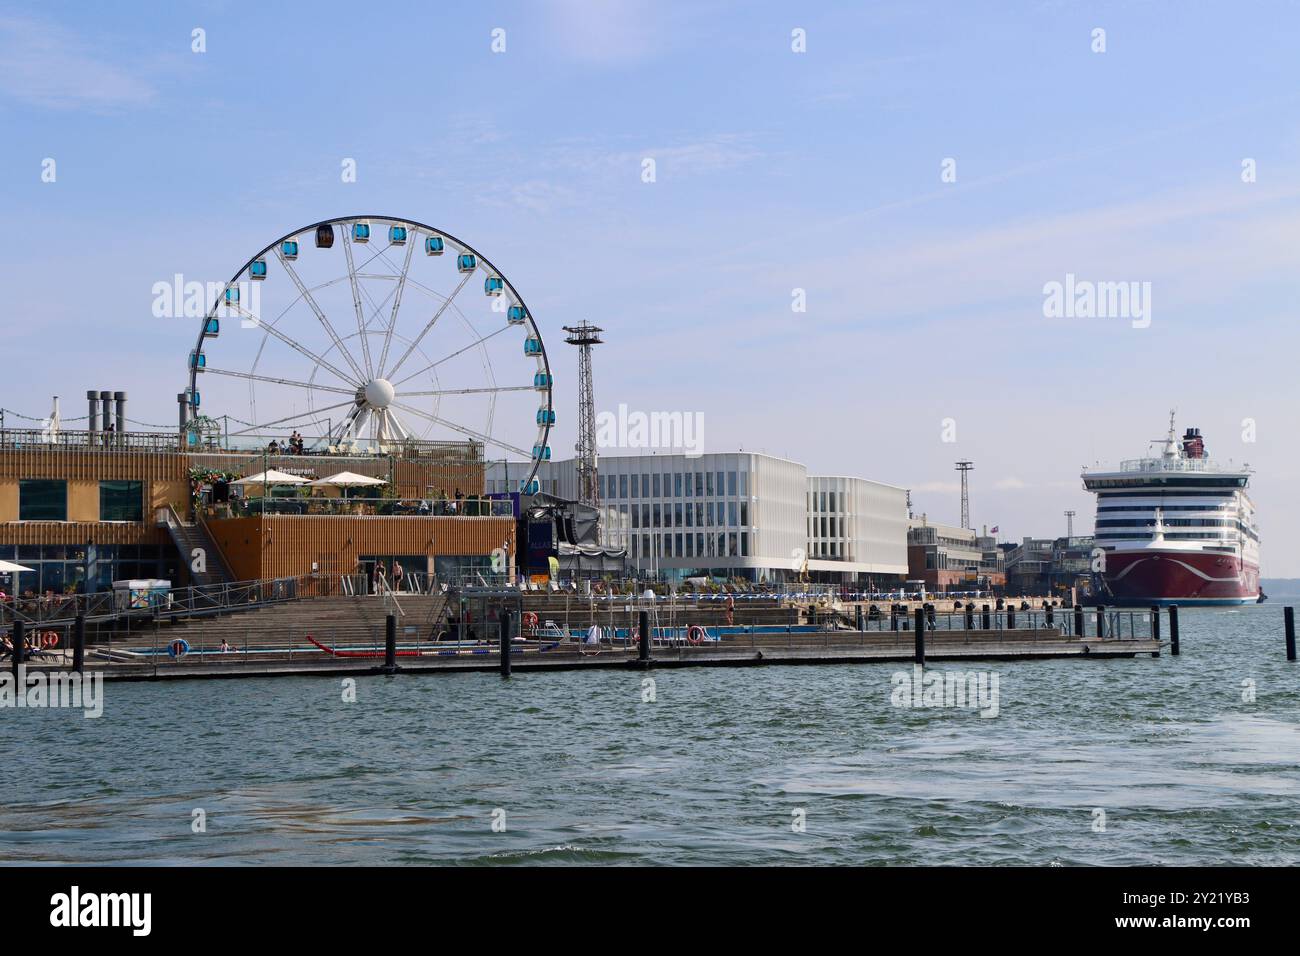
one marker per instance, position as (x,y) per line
(1152,576)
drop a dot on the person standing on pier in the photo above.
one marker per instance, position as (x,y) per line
(379,576)
(398,574)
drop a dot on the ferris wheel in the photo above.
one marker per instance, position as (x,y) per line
(369,334)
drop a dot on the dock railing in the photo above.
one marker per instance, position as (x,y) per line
(190,601)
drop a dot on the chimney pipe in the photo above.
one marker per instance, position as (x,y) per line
(183,415)
(120,398)
(106,400)
(92,426)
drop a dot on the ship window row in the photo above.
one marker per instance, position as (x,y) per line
(1170,522)
(1244,529)
(1148,536)
(1160,484)
(1150,508)
(679,484)
(1166,493)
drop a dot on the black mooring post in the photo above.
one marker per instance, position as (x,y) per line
(1078,620)
(1011,617)
(988,618)
(1155,622)
(920,636)
(390,644)
(861,618)
(505,643)
(20,652)
(893,617)
(1101,620)
(1049,613)
(1288,616)
(78,642)
(1173,629)
(643,636)
(970,616)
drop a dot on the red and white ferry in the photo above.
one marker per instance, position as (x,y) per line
(1177,528)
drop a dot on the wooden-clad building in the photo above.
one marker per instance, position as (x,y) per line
(273,546)
(85,509)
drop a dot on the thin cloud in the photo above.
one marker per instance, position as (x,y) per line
(937,486)
(704,156)
(45,65)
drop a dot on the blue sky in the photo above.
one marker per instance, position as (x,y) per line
(775,171)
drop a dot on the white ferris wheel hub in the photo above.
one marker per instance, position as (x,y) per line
(379,393)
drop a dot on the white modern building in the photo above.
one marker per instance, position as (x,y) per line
(856,526)
(741,515)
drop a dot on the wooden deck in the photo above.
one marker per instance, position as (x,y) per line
(740,651)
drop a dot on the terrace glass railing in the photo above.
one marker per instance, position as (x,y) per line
(387,507)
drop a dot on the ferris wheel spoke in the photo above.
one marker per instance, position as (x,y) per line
(425,331)
(356,301)
(313,413)
(397,304)
(249,376)
(433,365)
(375,308)
(307,297)
(468,391)
(471,433)
(272,330)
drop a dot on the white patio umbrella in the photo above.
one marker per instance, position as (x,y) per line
(271,477)
(347,479)
(8,567)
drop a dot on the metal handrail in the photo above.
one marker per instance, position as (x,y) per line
(386,592)
(180,601)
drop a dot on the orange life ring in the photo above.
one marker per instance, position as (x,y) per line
(49,639)
(694,630)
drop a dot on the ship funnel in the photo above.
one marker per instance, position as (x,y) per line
(1193,444)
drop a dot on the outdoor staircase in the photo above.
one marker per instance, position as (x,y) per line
(337,620)
(189,536)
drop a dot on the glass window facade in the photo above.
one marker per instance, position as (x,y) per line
(42,500)
(121,501)
(67,569)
